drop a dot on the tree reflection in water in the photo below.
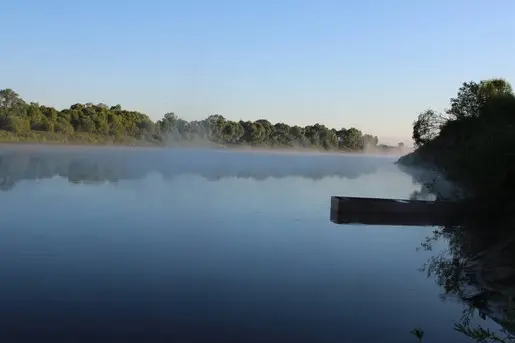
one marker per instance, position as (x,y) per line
(478,269)
(99,165)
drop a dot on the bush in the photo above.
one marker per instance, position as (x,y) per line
(18,125)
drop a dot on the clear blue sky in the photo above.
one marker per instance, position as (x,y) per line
(369,64)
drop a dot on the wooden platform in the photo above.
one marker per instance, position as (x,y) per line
(377,211)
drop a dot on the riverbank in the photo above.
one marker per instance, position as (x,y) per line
(79,139)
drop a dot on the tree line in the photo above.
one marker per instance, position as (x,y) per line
(23,119)
(473,141)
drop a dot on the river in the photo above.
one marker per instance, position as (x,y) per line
(157,245)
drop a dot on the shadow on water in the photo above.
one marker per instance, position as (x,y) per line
(476,267)
(93,165)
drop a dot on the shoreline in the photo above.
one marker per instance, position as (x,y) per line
(193,146)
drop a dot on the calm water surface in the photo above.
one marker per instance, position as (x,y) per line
(197,246)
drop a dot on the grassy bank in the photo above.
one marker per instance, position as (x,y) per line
(78,138)
(88,139)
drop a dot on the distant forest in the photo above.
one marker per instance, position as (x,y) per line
(103,124)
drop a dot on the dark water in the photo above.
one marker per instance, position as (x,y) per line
(111,245)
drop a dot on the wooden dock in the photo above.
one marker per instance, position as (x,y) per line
(377,211)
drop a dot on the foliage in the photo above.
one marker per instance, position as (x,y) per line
(29,121)
(427,127)
(473,142)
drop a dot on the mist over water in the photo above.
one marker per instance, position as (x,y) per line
(155,245)
(103,164)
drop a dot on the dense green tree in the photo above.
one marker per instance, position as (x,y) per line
(10,101)
(115,122)
(472,96)
(474,145)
